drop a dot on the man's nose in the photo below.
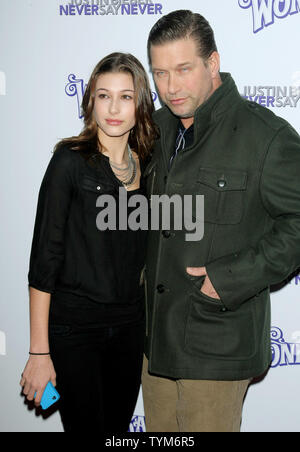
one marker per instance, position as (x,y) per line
(173,85)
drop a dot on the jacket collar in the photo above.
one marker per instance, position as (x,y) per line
(218,103)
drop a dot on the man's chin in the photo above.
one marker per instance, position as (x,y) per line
(180,114)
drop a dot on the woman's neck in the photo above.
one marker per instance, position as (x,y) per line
(114,147)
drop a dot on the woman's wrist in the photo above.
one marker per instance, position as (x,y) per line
(39,348)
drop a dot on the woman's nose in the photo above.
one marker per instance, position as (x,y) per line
(114,107)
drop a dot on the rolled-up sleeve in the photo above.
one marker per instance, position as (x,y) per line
(48,244)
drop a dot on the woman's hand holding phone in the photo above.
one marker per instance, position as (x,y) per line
(38,371)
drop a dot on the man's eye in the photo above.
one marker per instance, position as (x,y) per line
(160,74)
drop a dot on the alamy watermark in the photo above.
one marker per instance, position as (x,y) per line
(176,212)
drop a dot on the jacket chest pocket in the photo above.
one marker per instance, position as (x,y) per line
(92,188)
(91,184)
(224,195)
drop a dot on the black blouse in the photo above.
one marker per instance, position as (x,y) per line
(70,257)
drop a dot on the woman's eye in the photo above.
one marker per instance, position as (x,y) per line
(103,96)
(127,97)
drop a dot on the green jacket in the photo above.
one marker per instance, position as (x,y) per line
(246,163)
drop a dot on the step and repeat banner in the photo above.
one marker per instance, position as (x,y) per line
(48,50)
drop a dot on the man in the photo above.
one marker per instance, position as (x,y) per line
(208,301)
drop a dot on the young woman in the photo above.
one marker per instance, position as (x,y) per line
(86,284)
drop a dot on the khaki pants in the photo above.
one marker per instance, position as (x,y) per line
(192,405)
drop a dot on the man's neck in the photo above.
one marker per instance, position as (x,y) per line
(187,122)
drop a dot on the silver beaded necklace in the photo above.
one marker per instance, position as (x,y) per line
(126,175)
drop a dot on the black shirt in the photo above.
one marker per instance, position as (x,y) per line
(185,139)
(71,258)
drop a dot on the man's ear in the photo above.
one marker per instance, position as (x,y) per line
(214,64)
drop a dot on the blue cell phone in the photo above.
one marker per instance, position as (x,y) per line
(50,396)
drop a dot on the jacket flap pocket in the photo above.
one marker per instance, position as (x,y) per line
(223,179)
(95,185)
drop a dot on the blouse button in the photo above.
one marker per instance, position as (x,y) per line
(98,188)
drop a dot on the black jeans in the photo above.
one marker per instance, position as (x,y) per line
(98,375)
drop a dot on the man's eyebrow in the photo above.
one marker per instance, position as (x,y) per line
(187,63)
(184,64)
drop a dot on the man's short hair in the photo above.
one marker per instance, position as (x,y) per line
(182,24)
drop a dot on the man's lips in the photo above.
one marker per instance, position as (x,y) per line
(179,101)
(114,122)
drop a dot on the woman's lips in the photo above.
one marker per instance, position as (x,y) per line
(114,122)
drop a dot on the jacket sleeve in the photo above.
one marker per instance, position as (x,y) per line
(47,250)
(240,276)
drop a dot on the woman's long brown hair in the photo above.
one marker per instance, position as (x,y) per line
(144,133)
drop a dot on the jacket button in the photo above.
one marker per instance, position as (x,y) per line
(224,309)
(160,288)
(221,183)
(98,188)
(166,234)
